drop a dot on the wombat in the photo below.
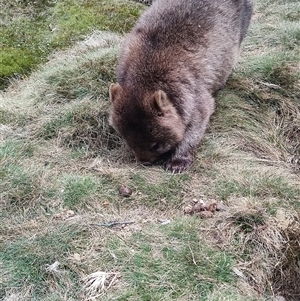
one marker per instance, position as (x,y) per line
(179,53)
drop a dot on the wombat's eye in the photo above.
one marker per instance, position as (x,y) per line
(154,146)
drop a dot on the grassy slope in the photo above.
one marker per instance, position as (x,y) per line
(61,167)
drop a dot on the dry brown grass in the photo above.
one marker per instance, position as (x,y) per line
(268,248)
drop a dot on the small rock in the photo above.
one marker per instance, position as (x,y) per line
(205,214)
(163,221)
(125,191)
(77,256)
(70,213)
(52,268)
(220,207)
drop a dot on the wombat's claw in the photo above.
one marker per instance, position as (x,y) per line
(178,165)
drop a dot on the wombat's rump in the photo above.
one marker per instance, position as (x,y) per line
(179,53)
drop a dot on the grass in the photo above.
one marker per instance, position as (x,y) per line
(61,167)
(30,31)
(34,255)
(76,189)
(151,270)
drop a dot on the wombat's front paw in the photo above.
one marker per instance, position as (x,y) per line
(179,164)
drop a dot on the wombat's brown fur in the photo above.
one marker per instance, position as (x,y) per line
(177,55)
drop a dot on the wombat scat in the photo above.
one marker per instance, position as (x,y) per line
(179,53)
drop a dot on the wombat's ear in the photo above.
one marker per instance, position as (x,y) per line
(115,91)
(161,102)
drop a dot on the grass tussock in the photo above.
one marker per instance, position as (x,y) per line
(67,234)
(268,248)
(265,118)
(85,126)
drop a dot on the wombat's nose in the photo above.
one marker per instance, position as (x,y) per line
(145,160)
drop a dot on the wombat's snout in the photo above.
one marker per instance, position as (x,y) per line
(145,158)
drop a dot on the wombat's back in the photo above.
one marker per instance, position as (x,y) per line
(198,38)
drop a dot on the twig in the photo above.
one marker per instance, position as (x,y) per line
(111,224)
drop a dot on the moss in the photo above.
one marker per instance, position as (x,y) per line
(14,61)
(73,19)
(35,29)
(25,45)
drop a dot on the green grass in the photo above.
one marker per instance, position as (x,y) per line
(179,270)
(73,18)
(44,26)
(61,166)
(170,265)
(69,84)
(76,189)
(16,149)
(19,186)
(152,188)
(26,261)
(257,186)
(51,128)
